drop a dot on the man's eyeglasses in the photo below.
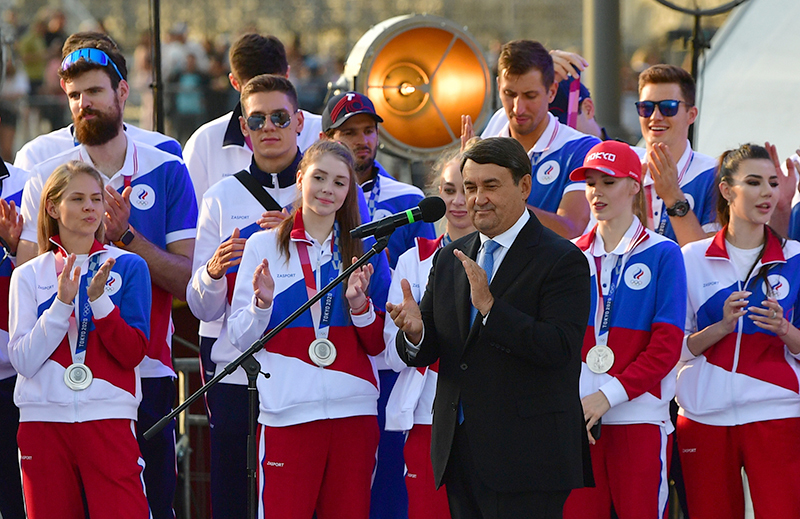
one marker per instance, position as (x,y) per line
(281,119)
(90,55)
(667,107)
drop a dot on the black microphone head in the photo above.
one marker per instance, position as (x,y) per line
(432,209)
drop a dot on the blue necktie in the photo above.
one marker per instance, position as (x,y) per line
(489,248)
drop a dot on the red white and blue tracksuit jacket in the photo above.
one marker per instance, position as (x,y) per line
(411,399)
(645,332)
(10,191)
(298,391)
(44,334)
(749,375)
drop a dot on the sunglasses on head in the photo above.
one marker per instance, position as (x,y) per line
(667,107)
(280,119)
(90,55)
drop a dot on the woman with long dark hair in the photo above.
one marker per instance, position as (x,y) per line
(739,379)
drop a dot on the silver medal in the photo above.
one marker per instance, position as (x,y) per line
(322,352)
(600,359)
(78,376)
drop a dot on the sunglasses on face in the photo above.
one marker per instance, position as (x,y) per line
(281,119)
(89,55)
(667,107)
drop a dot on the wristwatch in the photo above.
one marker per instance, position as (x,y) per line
(680,208)
(126,238)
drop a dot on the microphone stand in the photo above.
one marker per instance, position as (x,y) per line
(253,369)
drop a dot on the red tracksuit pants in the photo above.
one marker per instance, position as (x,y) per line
(101,458)
(713,457)
(325,465)
(631,467)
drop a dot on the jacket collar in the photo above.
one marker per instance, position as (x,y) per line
(233,133)
(286,178)
(773,251)
(96,246)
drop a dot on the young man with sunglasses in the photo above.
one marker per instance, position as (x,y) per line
(526,83)
(150,210)
(218,148)
(229,214)
(679,182)
(51,144)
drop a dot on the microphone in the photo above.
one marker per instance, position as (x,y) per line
(429,210)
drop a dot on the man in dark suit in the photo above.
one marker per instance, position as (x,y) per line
(508,431)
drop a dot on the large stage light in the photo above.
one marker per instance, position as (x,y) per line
(422,73)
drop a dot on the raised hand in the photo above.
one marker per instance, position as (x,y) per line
(480,294)
(467,131)
(357,285)
(664,171)
(228,254)
(98,284)
(786,181)
(10,224)
(118,212)
(263,285)
(272,219)
(406,315)
(68,285)
(566,64)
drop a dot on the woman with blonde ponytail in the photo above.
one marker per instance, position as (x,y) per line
(631,345)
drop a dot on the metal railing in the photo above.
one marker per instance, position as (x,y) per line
(183,367)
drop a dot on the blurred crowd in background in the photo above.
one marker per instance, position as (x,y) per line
(195,75)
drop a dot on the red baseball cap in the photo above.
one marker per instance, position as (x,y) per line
(613,158)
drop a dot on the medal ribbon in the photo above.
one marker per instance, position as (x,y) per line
(605,303)
(537,155)
(662,225)
(86,310)
(374,194)
(321,316)
(573,102)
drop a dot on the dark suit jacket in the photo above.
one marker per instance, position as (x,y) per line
(517,376)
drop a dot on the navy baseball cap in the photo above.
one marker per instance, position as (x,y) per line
(560,104)
(344,106)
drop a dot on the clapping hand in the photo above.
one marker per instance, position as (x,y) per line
(664,172)
(118,212)
(406,315)
(227,255)
(357,285)
(467,131)
(10,225)
(263,285)
(480,294)
(68,285)
(98,284)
